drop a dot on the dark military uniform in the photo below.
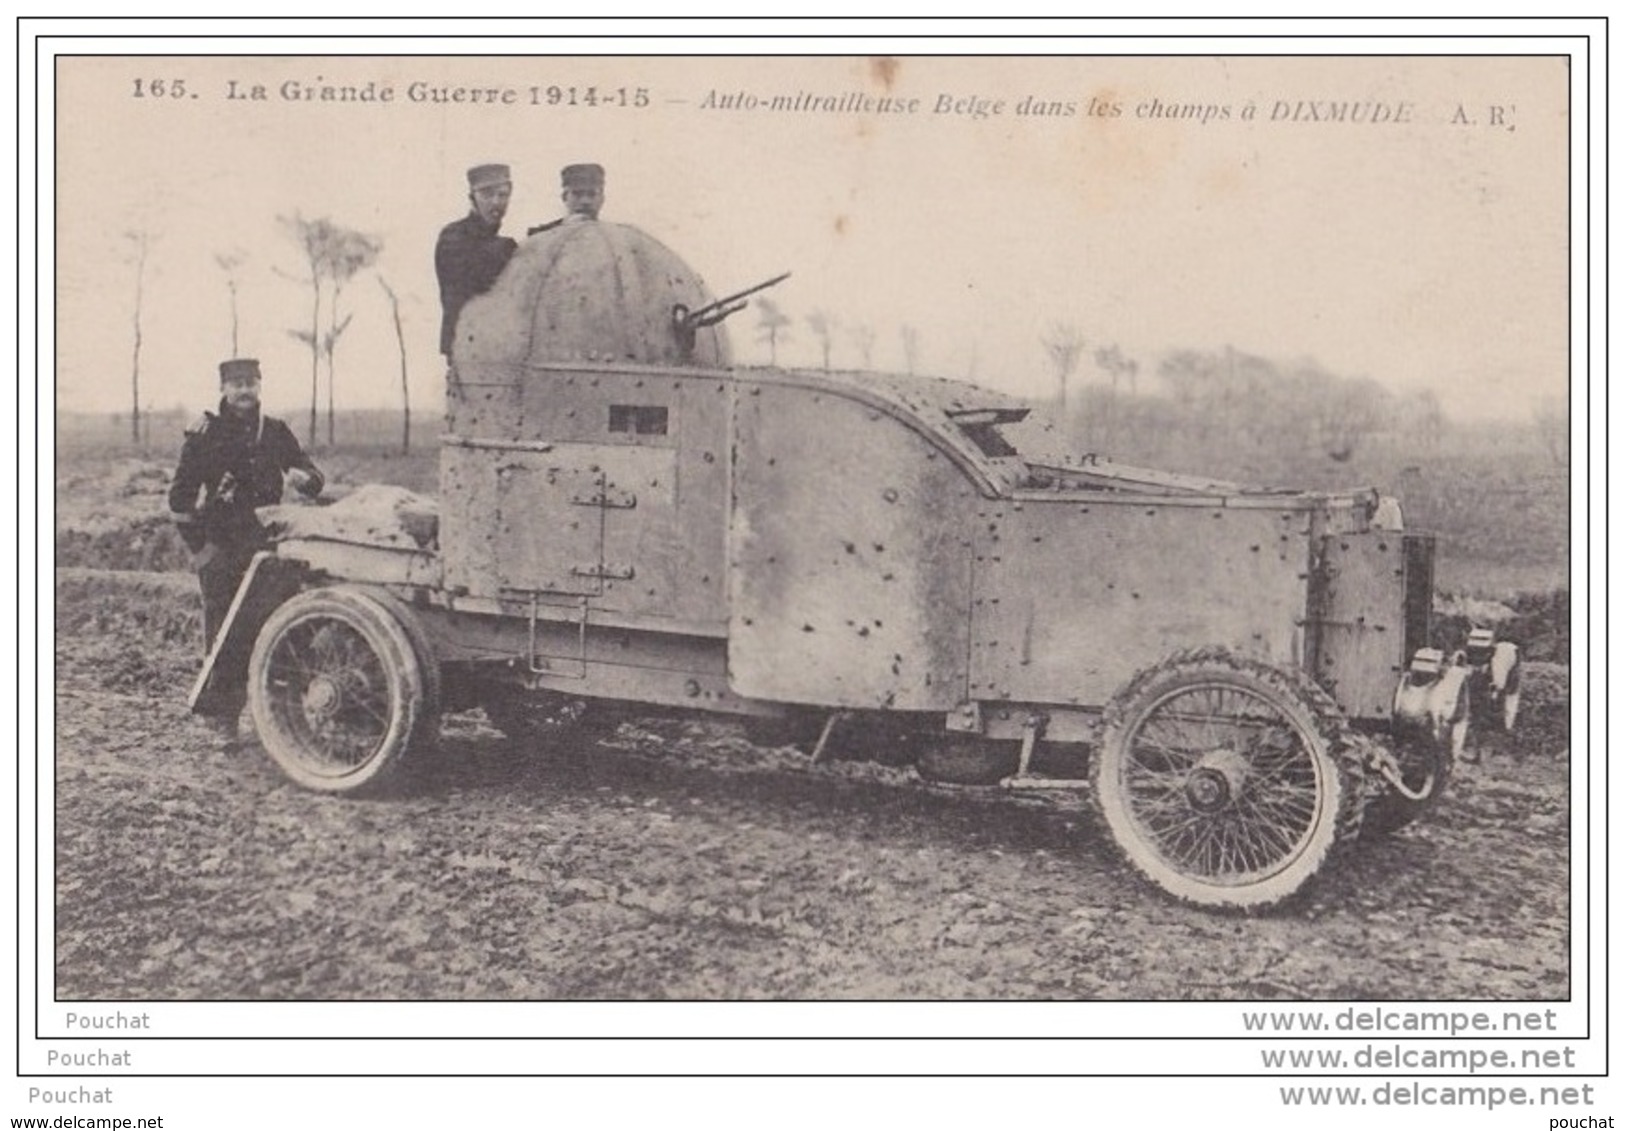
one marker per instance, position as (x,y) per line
(468,257)
(231,463)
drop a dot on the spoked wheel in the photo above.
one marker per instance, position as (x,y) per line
(1226,781)
(342,689)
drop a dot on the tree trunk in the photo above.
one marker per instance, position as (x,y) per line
(329,352)
(135,378)
(332,351)
(400,344)
(315,347)
(135,356)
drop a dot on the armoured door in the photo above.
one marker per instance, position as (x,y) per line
(849,562)
(549,527)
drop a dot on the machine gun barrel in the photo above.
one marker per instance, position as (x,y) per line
(716,311)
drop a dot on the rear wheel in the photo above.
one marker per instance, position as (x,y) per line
(1226,781)
(341,690)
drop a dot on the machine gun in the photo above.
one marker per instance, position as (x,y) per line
(685,322)
(712,313)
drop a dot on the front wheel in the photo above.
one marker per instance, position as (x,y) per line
(1226,781)
(341,690)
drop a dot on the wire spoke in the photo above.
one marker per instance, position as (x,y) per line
(1222,782)
(330,693)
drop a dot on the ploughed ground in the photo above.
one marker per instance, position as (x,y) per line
(675,860)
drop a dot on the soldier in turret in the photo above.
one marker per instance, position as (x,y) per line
(583,196)
(471,252)
(232,461)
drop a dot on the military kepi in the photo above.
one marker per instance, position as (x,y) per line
(240,369)
(586,176)
(484,176)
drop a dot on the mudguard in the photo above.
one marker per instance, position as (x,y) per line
(268,581)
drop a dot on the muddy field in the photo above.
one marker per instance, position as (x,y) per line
(674,860)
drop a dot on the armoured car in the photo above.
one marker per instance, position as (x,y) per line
(627,521)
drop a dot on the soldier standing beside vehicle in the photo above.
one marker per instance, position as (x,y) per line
(471,252)
(233,461)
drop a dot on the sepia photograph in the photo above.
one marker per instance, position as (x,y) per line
(783,527)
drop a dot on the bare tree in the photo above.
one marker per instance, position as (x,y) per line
(1063,345)
(863,337)
(140,240)
(771,325)
(911,347)
(1118,365)
(823,326)
(400,344)
(333,254)
(1120,369)
(348,253)
(312,238)
(231,262)
(330,342)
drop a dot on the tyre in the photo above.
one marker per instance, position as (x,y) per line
(343,690)
(1226,781)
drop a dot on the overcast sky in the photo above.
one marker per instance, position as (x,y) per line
(1427,249)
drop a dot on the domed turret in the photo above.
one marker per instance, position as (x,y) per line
(588,291)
